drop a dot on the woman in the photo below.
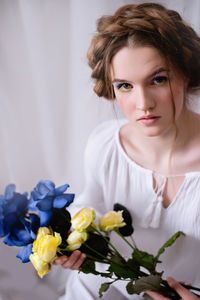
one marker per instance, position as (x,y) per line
(147,58)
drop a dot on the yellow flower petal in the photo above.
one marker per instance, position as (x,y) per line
(83,219)
(76,239)
(41,267)
(111,220)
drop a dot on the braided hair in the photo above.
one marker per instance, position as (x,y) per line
(147,24)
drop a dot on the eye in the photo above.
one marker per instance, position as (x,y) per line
(123,87)
(160,80)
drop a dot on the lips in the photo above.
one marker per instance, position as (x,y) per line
(148,117)
(149,120)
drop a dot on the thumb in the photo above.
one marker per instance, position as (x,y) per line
(183,292)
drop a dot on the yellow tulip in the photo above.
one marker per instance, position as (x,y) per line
(83,219)
(46,244)
(47,248)
(41,267)
(44,250)
(43,231)
(111,221)
(76,239)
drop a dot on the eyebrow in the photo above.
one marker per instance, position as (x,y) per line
(149,76)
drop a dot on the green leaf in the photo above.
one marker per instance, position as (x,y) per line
(88,267)
(130,288)
(169,243)
(104,287)
(147,297)
(144,259)
(121,268)
(148,283)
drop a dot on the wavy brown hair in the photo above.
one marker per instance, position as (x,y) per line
(147,24)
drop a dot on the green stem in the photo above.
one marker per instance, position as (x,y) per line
(121,235)
(117,252)
(98,253)
(63,249)
(134,243)
(95,259)
(188,287)
(109,261)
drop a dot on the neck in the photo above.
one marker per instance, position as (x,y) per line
(173,139)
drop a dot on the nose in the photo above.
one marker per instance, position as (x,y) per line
(144,100)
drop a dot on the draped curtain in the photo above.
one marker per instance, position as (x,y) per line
(48,108)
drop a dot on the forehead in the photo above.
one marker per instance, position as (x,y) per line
(135,63)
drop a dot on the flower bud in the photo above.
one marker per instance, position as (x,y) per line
(83,219)
(111,220)
(76,239)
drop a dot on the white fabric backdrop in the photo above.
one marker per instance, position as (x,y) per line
(48,108)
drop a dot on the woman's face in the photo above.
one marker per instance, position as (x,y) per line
(140,77)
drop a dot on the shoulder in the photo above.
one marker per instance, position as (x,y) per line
(103,135)
(101,145)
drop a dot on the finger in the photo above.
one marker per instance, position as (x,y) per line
(183,292)
(74,257)
(78,263)
(60,260)
(156,296)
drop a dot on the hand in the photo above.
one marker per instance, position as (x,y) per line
(183,292)
(73,262)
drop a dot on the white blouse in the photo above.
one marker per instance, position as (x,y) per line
(112,177)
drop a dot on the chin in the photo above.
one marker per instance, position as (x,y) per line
(153,132)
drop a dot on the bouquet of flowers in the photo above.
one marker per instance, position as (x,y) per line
(42,226)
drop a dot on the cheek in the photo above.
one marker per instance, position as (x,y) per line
(126,106)
(178,100)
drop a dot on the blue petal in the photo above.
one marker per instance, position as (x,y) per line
(25,223)
(19,237)
(44,188)
(45,217)
(2,199)
(32,204)
(10,241)
(18,204)
(23,236)
(25,253)
(61,189)
(34,196)
(63,200)
(35,224)
(9,191)
(1,211)
(9,222)
(45,204)
(2,232)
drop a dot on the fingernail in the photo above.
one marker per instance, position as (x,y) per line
(171,281)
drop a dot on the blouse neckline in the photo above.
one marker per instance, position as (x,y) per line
(141,168)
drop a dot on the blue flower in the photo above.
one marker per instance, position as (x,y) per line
(23,235)
(45,197)
(13,207)
(28,235)
(17,226)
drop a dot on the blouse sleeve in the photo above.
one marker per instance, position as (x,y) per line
(97,157)
(92,194)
